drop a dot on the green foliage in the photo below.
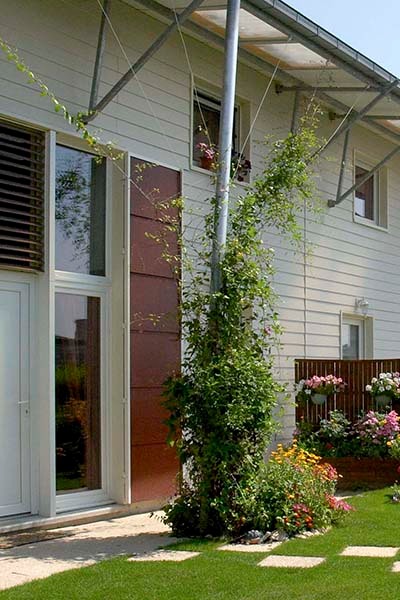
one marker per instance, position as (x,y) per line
(221,406)
(76,120)
(296,493)
(374,434)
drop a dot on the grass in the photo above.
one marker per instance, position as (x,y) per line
(216,575)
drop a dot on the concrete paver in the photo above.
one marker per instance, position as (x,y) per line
(298,562)
(373,551)
(250,547)
(164,555)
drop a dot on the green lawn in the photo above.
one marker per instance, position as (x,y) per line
(219,575)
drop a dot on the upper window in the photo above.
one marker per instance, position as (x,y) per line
(206,119)
(366,195)
(370,197)
(80,211)
(21,198)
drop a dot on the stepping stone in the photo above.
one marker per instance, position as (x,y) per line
(164,555)
(374,551)
(296,562)
(396,567)
(250,547)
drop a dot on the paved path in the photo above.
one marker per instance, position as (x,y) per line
(85,545)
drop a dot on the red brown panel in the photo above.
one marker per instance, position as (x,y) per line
(146,252)
(155,356)
(154,471)
(150,186)
(147,417)
(155,350)
(154,296)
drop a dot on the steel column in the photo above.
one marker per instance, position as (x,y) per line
(101,44)
(156,45)
(225,141)
(365,178)
(295,114)
(342,166)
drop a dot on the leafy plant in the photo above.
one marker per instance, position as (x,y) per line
(373,434)
(221,406)
(297,492)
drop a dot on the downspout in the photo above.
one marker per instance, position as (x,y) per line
(225,142)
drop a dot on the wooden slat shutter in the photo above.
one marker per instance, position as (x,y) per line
(21,198)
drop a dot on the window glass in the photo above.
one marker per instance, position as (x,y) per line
(80,212)
(351,341)
(77,385)
(206,116)
(364,201)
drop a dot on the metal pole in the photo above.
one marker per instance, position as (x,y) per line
(156,45)
(354,117)
(295,114)
(225,141)
(99,55)
(365,178)
(342,166)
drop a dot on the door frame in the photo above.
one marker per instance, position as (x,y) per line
(25,284)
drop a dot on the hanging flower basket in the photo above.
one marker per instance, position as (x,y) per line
(319,398)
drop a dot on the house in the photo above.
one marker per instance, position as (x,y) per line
(82,361)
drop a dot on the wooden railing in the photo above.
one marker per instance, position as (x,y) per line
(354,399)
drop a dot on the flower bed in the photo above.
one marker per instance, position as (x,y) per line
(366,453)
(364,472)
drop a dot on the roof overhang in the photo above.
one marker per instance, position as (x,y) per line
(305,57)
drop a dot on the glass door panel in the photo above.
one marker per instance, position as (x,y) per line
(78,392)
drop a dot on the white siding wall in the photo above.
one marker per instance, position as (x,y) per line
(151,119)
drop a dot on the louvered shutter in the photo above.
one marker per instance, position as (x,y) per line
(21,198)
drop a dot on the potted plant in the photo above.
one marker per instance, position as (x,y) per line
(240,166)
(384,388)
(208,155)
(318,388)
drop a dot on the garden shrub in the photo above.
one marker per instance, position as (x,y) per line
(221,405)
(374,434)
(297,492)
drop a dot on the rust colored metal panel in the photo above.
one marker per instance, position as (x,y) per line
(152,185)
(154,304)
(155,348)
(147,417)
(155,356)
(154,471)
(147,252)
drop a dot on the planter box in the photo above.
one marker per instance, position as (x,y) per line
(367,473)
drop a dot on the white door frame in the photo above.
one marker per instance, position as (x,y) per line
(24,285)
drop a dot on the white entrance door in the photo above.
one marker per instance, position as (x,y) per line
(14,399)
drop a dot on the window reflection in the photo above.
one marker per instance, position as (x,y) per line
(80,212)
(77,383)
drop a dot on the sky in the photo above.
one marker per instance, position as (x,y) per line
(370,27)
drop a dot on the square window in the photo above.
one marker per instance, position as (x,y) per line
(370,196)
(206,119)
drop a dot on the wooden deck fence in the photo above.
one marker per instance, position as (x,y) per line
(354,399)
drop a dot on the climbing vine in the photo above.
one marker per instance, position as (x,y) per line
(221,406)
(76,120)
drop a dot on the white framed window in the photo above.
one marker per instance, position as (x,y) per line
(353,334)
(356,336)
(81,325)
(206,112)
(370,197)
